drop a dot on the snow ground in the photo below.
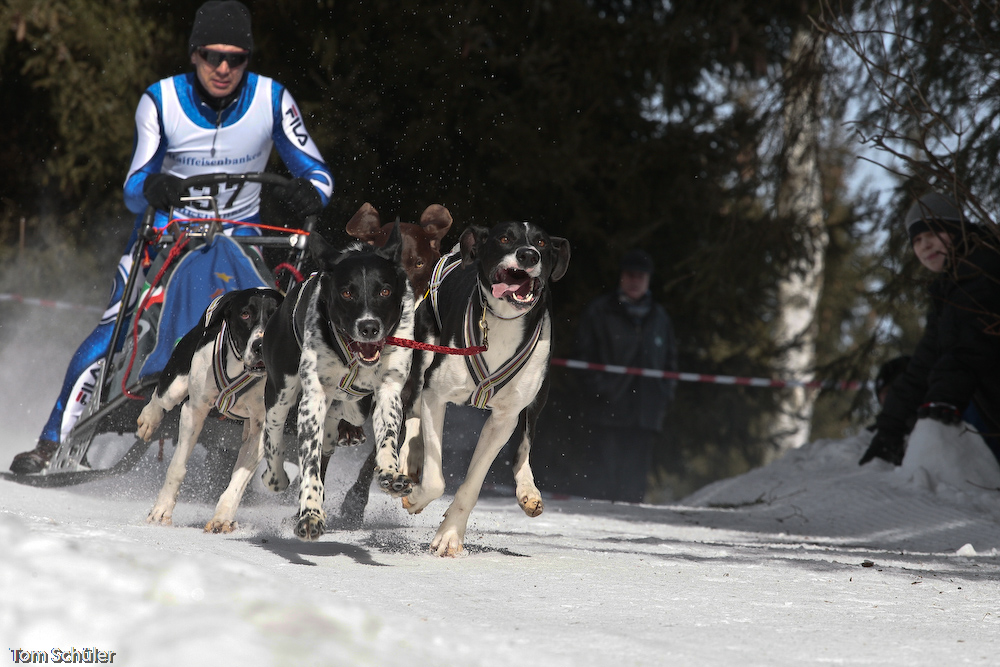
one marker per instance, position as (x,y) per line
(810,560)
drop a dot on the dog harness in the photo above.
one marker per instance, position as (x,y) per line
(444,266)
(487,384)
(230,388)
(352,360)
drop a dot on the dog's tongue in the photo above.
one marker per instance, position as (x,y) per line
(500,290)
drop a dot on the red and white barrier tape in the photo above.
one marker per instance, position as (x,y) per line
(61,305)
(698,377)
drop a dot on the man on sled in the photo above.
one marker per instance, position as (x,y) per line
(219,118)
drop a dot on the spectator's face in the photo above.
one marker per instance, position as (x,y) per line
(932,249)
(222,79)
(634,284)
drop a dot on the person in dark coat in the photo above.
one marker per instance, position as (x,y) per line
(954,373)
(625,413)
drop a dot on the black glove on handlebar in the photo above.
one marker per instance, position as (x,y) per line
(942,412)
(886,446)
(163,191)
(301,197)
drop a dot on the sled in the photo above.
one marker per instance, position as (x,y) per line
(178,289)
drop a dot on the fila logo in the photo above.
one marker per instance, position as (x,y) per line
(295,125)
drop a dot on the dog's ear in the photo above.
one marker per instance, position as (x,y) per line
(436,221)
(321,251)
(216,311)
(393,248)
(471,243)
(366,224)
(561,246)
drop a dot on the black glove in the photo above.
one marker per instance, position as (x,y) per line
(886,446)
(301,197)
(163,191)
(942,412)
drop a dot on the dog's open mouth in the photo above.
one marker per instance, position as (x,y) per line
(254,367)
(369,353)
(516,286)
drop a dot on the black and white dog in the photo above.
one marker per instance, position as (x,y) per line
(327,343)
(495,285)
(218,364)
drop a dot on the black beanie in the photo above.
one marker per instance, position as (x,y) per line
(934,212)
(222,22)
(636,260)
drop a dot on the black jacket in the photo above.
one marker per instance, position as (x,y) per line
(608,334)
(958,358)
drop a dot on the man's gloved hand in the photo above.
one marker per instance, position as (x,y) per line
(886,446)
(942,412)
(301,197)
(163,191)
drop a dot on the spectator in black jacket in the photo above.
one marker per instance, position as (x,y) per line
(955,371)
(625,413)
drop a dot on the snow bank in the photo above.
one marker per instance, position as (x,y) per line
(945,495)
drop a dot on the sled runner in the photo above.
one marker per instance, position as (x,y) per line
(194,263)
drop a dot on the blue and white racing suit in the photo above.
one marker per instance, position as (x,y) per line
(177,133)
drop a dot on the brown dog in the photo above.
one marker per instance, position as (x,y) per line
(421,251)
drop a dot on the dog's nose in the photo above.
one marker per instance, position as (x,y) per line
(527,257)
(257,346)
(369,329)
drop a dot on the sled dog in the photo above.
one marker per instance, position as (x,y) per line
(493,288)
(326,347)
(218,364)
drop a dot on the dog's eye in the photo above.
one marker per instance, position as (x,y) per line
(504,240)
(245,314)
(540,243)
(420,263)
(346,295)
(385,292)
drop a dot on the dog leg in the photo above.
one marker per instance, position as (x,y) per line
(352,509)
(313,408)
(192,419)
(431,486)
(387,423)
(527,494)
(251,453)
(151,415)
(274,477)
(451,534)
(411,453)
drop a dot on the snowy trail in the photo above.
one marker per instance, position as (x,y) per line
(808,561)
(586,583)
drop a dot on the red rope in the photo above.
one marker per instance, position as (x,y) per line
(291,269)
(417,345)
(171,256)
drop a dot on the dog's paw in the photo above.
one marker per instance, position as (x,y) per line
(148,421)
(395,484)
(447,542)
(275,479)
(311,525)
(160,515)
(410,506)
(349,435)
(531,504)
(220,526)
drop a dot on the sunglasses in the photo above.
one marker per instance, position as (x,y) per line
(215,58)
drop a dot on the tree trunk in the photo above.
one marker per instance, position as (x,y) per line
(800,198)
